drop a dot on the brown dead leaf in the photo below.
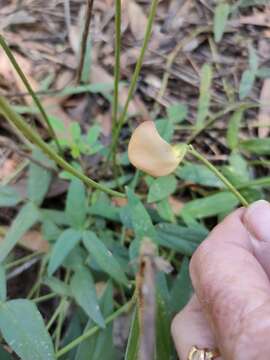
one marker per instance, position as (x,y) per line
(175,204)
(32,241)
(264,113)
(257,19)
(120,202)
(137,19)
(51,103)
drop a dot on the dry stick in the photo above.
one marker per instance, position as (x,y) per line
(117,20)
(26,83)
(34,137)
(84,39)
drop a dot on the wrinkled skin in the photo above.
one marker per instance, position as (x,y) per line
(230,272)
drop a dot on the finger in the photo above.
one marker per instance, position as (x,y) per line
(190,328)
(233,290)
(257,221)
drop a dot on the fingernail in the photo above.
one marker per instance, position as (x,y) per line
(257,220)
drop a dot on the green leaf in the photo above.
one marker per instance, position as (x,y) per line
(87,61)
(133,339)
(3,284)
(93,134)
(233,129)
(23,329)
(253,59)
(161,188)
(76,204)
(256,146)
(39,178)
(104,257)
(182,289)
(239,165)
(84,292)
(26,218)
(177,112)
(222,202)
(141,220)
(222,11)
(8,196)
(100,345)
(205,95)
(246,3)
(165,129)
(198,174)
(263,72)
(63,246)
(57,286)
(184,240)
(165,211)
(246,83)
(164,347)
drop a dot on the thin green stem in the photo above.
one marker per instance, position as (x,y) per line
(225,181)
(219,114)
(32,136)
(117,20)
(29,89)
(22,260)
(135,75)
(44,297)
(95,329)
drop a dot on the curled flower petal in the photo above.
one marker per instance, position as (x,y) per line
(148,152)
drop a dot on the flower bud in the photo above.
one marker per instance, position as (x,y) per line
(148,152)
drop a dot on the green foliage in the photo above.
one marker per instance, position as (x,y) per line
(141,220)
(95,238)
(161,188)
(8,196)
(198,174)
(256,146)
(222,11)
(39,177)
(103,257)
(233,129)
(205,95)
(23,329)
(222,202)
(63,246)
(76,204)
(133,339)
(3,285)
(26,218)
(249,76)
(84,292)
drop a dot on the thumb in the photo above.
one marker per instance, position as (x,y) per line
(256,219)
(233,288)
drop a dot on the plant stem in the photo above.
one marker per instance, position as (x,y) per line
(55,315)
(135,75)
(22,260)
(84,38)
(225,181)
(30,90)
(117,20)
(45,297)
(34,137)
(95,329)
(213,118)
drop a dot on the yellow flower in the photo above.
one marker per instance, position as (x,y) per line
(148,152)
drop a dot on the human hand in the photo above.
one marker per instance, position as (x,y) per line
(230,272)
